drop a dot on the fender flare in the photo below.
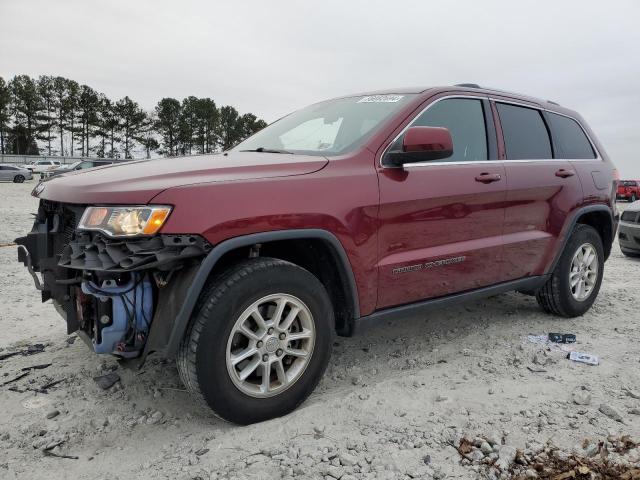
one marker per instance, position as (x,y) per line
(569,226)
(206,267)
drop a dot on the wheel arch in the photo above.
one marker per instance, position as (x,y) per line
(308,248)
(600,218)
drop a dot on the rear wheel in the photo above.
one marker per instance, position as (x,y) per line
(18,179)
(576,279)
(259,341)
(633,197)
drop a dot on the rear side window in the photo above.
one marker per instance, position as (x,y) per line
(525,134)
(465,120)
(571,140)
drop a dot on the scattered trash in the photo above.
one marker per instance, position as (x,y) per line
(536,369)
(201,452)
(48,451)
(15,379)
(71,340)
(4,356)
(107,381)
(538,339)
(30,350)
(562,338)
(37,367)
(47,386)
(583,358)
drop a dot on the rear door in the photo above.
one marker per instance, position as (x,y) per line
(441,221)
(542,189)
(4,172)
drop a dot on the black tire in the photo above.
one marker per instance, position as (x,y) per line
(633,198)
(630,253)
(202,356)
(555,296)
(18,179)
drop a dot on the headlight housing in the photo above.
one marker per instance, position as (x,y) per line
(125,221)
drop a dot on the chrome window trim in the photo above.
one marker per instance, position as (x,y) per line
(485,162)
(543,109)
(586,134)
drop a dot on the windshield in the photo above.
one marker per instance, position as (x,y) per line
(628,183)
(328,128)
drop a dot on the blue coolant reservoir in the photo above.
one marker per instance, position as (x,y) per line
(132,311)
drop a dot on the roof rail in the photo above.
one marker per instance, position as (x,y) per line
(553,103)
(467,85)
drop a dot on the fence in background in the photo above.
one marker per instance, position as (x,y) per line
(26,159)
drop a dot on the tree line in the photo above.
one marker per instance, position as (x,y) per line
(58,116)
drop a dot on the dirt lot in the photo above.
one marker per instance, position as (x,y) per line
(395,403)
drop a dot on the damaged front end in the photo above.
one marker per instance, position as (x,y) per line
(120,294)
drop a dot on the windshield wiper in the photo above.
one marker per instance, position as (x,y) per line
(268,150)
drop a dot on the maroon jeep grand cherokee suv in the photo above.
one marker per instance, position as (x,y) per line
(243,265)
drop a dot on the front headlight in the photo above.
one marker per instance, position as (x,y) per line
(125,221)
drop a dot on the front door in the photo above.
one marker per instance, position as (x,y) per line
(441,221)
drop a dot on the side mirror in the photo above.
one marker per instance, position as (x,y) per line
(422,144)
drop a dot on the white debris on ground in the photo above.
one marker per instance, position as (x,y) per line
(462,393)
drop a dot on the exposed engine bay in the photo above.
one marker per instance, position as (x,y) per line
(107,288)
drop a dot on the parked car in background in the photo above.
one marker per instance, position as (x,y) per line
(628,190)
(42,165)
(79,165)
(15,174)
(352,211)
(629,230)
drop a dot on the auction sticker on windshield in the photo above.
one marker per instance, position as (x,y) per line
(381,99)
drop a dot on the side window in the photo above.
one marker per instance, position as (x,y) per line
(525,134)
(465,120)
(572,141)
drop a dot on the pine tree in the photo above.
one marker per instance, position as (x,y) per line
(250,124)
(5,115)
(48,98)
(188,124)
(60,93)
(73,94)
(110,125)
(88,104)
(131,120)
(168,124)
(207,118)
(27,109)
(147,137)
(229,132)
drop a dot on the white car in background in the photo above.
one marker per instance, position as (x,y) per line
(15,174)
(43,166)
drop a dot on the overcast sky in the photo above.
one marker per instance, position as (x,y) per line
(270,57)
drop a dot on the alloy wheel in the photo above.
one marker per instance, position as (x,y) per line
(270,345)
(584,272)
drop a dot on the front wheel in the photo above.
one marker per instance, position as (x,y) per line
(633,197)
(18,179)
(259,341)
(576,279)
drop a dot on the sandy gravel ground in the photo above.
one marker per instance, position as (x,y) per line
(395,401)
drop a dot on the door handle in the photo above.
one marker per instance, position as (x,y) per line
(562,173)
(488,177)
